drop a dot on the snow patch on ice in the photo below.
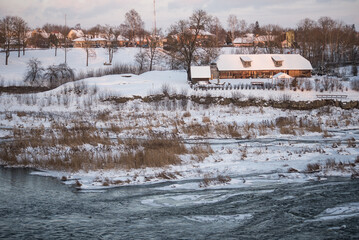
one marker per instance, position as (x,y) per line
(219,218)
(342,211)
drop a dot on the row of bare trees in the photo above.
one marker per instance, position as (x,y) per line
(13,34)
(327,41)
(322,42)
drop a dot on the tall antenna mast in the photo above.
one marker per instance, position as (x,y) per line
(154,18)
(65,42)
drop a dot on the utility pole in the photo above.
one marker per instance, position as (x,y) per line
(154,17)
(65,42)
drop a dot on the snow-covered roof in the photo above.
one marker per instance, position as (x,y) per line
(247,39)
(78,33)
(82,39)
(98,39)
(58,34)
(121,38)
(232,62)
(246,58)
(281,76)
(200,72)
(277,58)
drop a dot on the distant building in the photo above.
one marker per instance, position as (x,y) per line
(250,40)
(73,34)
(122,41)
(262,65)
(37,38)
(289,41)
(90,42)
(246,41)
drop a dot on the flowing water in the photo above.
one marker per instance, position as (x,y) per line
(35,207)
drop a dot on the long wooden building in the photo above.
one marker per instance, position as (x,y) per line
(233,66)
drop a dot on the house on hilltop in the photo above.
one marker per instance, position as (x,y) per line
(233,66)
(73,34)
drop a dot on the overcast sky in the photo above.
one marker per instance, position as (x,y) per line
(91,12)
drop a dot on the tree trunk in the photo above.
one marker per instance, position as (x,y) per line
(7,54)
(189,74)
(87,57)
(55,51)
(151,61)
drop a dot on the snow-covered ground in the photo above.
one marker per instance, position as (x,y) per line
(14,72)
(150,83)
(265,157)
(248,143)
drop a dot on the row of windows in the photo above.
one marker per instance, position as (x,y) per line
(263,74)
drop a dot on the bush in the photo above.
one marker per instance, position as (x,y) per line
(354,70)
(57,75)
(315,167)
(355,84)
(285,97)
(34,72)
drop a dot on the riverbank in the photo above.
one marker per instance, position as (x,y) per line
(138,142)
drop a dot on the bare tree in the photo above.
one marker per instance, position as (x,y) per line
(153,43)
(186,41)
(87,46)
(34,72)
(141,59)
(134,24)
(218,31)
(271,37)
(20,29)
(54,42)
(7,29)
(111,46)
(243,26)
(233,25)
(58,74)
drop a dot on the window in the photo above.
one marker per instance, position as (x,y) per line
(278,61)
(246,61)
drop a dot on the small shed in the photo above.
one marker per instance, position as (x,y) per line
(282,77)
(200,73)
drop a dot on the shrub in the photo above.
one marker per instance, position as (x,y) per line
(354,84)
(285,97)
(208,180)
(354,70)
(58,74)
(313,167)
(34,72)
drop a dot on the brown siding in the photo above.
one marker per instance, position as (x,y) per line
(262,74)
(200,79)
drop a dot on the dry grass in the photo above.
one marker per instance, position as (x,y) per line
(200,152)
(63,147)
(208,180)
(196,129)
(331,165)
(206,119)
(289,125)
(313,167)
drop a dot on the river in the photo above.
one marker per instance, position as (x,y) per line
(35,207)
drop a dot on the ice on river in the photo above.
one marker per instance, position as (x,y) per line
(175,200)
(220,218)
(339,212)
